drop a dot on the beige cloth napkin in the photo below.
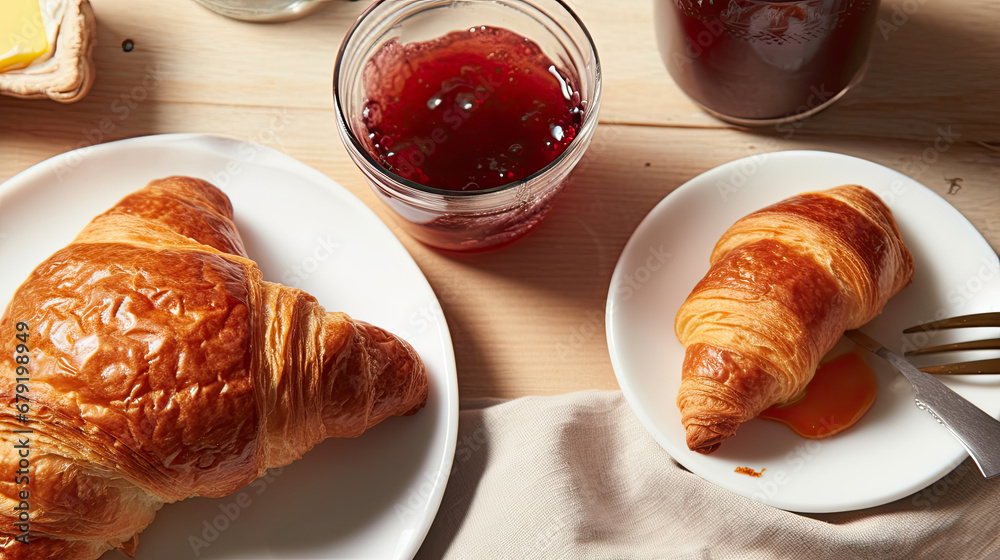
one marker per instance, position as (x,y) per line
(577,476)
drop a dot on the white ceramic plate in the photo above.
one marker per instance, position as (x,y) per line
(896,449)
(372,497)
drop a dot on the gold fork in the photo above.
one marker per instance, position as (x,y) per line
(978,366)
(977,431)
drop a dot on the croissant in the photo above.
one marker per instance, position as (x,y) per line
(785,283)
(157,365)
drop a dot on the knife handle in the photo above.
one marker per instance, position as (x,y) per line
(977,431)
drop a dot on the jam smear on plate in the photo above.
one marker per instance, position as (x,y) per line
(840,393)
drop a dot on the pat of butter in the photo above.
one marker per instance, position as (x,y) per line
(22,34)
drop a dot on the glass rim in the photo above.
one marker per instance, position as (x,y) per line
(590,114)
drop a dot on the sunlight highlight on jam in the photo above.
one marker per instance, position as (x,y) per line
(840,393)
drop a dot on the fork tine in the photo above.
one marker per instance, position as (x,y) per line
(981,366)
(991,344)
(975,320)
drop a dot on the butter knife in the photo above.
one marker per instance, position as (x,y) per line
(977,431)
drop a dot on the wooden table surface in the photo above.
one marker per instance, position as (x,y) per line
(529,319)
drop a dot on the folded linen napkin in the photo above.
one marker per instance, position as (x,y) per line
(577,476)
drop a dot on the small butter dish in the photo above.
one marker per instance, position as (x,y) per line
(46,50)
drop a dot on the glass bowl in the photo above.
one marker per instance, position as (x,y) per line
(466,220)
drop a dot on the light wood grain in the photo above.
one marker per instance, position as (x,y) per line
(529,319)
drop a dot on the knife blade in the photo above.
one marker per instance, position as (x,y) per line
(977,431)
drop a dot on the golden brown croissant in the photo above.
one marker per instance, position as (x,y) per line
(785,283)
(159,366)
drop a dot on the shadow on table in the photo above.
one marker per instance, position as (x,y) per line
(472,453)
(927,72)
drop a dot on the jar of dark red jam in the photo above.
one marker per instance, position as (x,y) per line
(467,116)
(764,62)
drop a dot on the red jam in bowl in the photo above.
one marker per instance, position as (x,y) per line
(467,116)
(471,110)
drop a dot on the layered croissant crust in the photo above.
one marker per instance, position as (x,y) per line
(785,283)
(163,367)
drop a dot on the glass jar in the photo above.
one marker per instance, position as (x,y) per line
(263,10)
(465,220)
(763,62)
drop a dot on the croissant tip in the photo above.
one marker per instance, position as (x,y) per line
(417,407)
(704,440)
(707,450)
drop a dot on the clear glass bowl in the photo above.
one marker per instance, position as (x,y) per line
(466,220)
(263,10)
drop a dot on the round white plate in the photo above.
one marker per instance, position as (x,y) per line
(374,496)
(896,449)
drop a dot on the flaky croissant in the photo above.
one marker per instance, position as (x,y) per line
(785,283)
(161,366)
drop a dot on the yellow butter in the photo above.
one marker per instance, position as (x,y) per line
(22,33)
